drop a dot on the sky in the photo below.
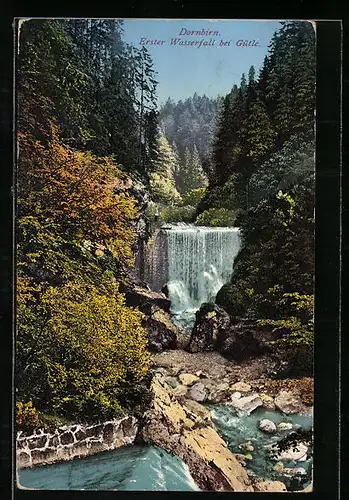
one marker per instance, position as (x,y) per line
(211,69)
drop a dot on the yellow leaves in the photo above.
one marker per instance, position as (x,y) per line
(96,343)
(27,417)
(76,190)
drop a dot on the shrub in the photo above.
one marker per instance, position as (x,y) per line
(194,197)
(79,349)
(163,189)
(178,214)
(27,417)
(72,194)
(216,217)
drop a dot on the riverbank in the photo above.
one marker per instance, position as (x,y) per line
(195,395)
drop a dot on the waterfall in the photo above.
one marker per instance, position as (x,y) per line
(200,261)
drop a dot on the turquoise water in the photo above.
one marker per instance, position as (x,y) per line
(237,430)
(128,468)
(145,468)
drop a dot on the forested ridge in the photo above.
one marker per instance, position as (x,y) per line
(90,139)
(262,168)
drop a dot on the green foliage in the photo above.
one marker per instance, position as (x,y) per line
(78,345)
(295,331)
(178,214)
(163,189)
(257,118)
(79,348)
(190,174)
(273,272)
(50,422)
(194,197)
(71,195)
(216,217)
(79,73)
(190,122)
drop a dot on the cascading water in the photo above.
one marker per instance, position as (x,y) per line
(200,261)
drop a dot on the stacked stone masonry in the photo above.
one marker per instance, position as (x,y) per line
(75,441)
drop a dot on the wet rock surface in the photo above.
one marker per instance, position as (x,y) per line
(162,333)
(215,330)
(186,430)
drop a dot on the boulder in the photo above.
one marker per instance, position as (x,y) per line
(241,387)
(247,447)
(210,323)
(180,390)
(267,426)
(144,299)
(218,393)
(162,333)
(298,454)
(269,486)
(198,392)
(268,401)
(172,382)
(236,395)
(245,340)
(288,403)
(200,410)
(284,426)
(247,404)
(188,379)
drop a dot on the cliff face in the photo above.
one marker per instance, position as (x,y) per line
(155,261)
(184,428)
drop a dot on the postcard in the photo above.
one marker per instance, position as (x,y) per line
(165,254)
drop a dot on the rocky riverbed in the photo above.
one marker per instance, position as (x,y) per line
(186,385)
(219,418)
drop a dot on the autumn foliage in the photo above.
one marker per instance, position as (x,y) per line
(76,193)
(78,346)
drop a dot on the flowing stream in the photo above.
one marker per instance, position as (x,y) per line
(200,261)
(237,430)
(139,468)
(148,468)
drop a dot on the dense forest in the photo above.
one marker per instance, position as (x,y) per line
(86,120)
(262,168)
(90,138)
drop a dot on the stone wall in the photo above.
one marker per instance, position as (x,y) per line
(76,441)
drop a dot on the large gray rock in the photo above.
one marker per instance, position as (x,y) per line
(188,378)
(288,403)
(246,340)
(247,404)
(211,322)
(162,333)
(267,426)
(198,392)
